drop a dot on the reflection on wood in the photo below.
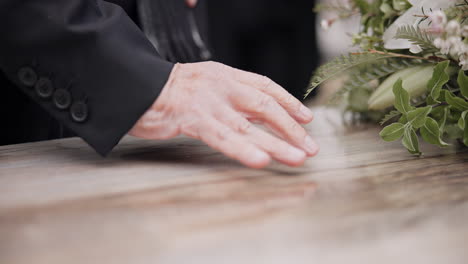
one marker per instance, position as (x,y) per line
(360,201)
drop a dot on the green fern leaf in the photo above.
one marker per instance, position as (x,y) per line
(361,77)
(342,64)
(417,37)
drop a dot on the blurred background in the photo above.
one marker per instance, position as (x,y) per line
(275,38)
(281,39)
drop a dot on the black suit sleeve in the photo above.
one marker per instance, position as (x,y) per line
(84,61)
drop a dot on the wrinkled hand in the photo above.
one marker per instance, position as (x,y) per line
(218,104)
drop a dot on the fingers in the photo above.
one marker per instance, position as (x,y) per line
(232,144)
(258,105)
(275,147)
(293,106)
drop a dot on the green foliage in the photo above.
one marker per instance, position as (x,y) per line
(438,111)
(462,81)
(455,102)
(363,6)
(431,133)
(338,8)
(417,117)
(459,12)
(462,120)
(360,77)
(413,119)
(442,117)
(390,116)
(417,37)
(342,64)
(402,98)
(411,141)
(439,78)
(393,132)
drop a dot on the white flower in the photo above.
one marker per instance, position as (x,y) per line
(415,49)
(410,18)
(443,45)
(453,28)
(438,19)
(456,45)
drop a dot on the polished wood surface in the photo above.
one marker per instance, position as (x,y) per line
(360,201)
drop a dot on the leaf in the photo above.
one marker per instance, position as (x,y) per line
(464,127)
(462,120)
(363,6)
(430,132)
(402,99)
(410,140)
(403,119)
(417,117)
(438,80)
(453,131)
(393,114)
(465,136)
(443,121)
(358,79)
(417,37)
(415,81)
(342,64)
(456,102)
(392,132)
(463,83)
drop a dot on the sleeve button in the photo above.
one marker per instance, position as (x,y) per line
(62,99)
(44,88)
(79,112)
(27,76)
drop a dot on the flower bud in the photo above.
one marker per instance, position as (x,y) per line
(415,81)
(453,28)
(415,49)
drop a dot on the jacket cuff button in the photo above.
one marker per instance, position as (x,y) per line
(44,88)
(62,99)
(79,112)
(27,76)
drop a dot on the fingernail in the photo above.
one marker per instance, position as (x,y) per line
(311,146)
(306,113)
(295,154)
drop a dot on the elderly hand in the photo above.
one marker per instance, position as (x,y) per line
(218,104)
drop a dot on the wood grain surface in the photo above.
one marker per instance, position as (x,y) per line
(360,201)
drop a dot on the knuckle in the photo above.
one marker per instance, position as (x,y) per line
(190,129)
(295,127)
(297,131)
(242,126)
(263,103)
(290,101)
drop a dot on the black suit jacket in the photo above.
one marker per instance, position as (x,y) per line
(79,67)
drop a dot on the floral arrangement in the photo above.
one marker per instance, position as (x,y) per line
(409,72)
